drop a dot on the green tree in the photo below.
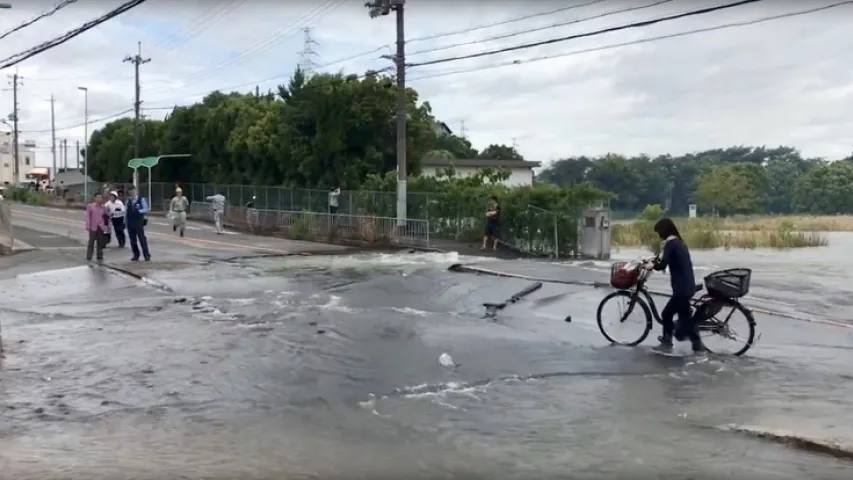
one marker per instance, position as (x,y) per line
(733,188)
(826,188)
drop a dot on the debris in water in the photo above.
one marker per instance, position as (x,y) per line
(568,319)
(321,331)
(447,361)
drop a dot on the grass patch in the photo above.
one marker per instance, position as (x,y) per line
(713,233)
(25,195)
(799,223)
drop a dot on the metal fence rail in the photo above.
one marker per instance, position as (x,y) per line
(320,226)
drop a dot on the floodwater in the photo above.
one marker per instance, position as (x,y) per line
(308,367)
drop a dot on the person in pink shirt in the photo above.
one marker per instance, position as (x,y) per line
(96,225)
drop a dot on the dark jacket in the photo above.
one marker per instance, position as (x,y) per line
(136,211)
(676,257)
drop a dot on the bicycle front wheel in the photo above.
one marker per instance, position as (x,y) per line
(727,329)
(624,318)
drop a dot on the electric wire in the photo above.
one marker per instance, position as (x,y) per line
(641,41)
(47,13)
(645,23)
(32,52)
(538,29)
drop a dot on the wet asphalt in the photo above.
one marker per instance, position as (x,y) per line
(328,366)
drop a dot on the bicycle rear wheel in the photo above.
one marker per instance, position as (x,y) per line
(621,311)
(730,323)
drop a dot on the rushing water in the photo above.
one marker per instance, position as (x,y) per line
(319,366)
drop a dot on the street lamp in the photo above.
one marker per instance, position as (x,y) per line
(85,142)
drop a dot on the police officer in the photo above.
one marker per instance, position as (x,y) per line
(137,209)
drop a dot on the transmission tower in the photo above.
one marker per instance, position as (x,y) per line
(308,53)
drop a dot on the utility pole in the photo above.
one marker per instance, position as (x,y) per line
(65,151)
(78,156)
(137,61)
(382,8)
(464,130)
(53,138)
(15,81)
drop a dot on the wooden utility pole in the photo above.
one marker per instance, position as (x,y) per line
(137,61)
(15,81)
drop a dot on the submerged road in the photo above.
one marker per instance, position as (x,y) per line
(336,366)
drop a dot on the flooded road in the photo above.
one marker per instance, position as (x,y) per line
(305,367)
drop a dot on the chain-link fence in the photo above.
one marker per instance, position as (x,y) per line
(448,217)
(305,225)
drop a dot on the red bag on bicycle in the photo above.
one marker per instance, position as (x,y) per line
(624,275)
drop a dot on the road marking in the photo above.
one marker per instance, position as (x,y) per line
(171,237)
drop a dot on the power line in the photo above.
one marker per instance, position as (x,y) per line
(59,6)
(724,26)
(510,62)
(83,124)
(504,22)
(277,37)
(32,52)
(646,23)
(539,29)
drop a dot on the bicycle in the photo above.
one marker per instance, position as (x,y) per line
(724,288)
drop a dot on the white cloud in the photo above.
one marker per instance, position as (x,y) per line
(781,82)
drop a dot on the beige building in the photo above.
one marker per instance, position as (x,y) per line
(26,155)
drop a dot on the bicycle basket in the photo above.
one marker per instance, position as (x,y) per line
(731,283)
(624,275)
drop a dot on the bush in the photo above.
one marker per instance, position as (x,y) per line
(532,217)
(25,195)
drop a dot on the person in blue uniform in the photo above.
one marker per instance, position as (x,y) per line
(676,257)
(135,219)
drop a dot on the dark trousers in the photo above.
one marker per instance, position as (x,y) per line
(679,305)
(95,245)
(118,228)
(137,233)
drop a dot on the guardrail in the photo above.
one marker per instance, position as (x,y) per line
(329,227)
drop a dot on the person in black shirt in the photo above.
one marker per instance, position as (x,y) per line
(676,256)
(493,224)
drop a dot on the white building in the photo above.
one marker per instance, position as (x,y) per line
(521,171)
(26,157)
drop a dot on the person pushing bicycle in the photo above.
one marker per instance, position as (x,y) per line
(676,256)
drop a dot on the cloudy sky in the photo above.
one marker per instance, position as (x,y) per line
(786,81)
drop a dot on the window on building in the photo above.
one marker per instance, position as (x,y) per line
(26,160)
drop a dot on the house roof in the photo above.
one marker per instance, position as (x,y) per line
(478,163)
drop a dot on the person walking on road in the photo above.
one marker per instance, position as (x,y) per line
(96,226)
(178,211)
(116,210)
(137,208)
(217,204)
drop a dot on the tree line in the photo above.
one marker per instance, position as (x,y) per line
(728,181)
(325,130)
(335,130)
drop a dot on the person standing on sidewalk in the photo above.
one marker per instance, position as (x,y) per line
(137,209)
(217,204)
(96,226)
(178,211)
(115,209)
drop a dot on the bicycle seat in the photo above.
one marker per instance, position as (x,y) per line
(699,288)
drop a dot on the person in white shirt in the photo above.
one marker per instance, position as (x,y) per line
(178,211)
(116,211)
(217,204)
(333,200)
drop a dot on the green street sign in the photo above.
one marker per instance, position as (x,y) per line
(148,162)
